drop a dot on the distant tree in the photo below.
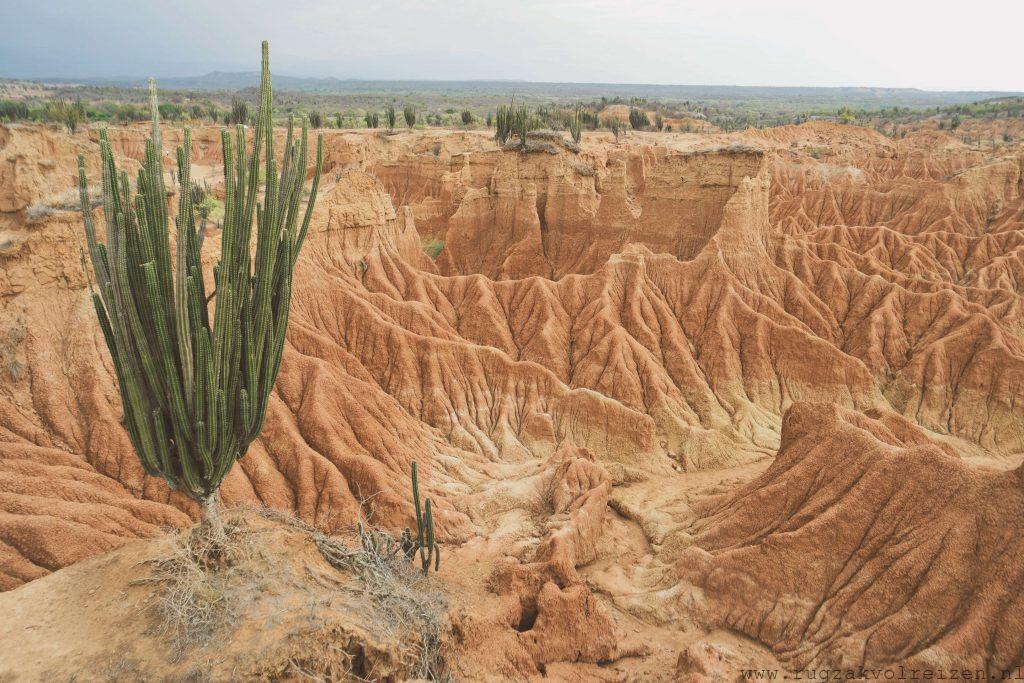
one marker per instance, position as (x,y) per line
(467,117)
(197,112)
(409,114)
(211,111)
(126,113)
(78,112)
(638,119)
(338,121)
(955,122)
(239,113)
(659,122)
(389,115)
(490,120)
(316,120)
(70,115)
(171,111)
(372,119)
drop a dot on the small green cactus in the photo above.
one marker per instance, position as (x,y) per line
(425,543)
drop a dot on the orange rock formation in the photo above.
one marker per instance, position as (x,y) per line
(686,404)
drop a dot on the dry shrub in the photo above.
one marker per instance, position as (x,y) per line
(541,141)
(68,200)
(206,585)
(407,609)
(531,146)
(38,212)
(10,244)
(204,581)
(582,168)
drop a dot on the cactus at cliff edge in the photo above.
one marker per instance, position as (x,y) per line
(195,388)
(425,543)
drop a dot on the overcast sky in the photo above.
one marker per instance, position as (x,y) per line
(893,43)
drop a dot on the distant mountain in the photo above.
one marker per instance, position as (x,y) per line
(217,80)
(867,97)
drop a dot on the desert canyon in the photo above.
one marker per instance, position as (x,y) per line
(687,404)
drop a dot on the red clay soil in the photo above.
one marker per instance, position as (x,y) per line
(686,404)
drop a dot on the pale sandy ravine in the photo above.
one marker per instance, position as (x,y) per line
(686,403)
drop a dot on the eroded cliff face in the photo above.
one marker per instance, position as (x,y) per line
(593,376)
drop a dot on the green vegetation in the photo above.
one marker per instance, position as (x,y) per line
(467,117)
(127,113)
(433,248)
(615,126)
(59,111)
(409,114)
(576,125)
(194,393)
(890,111)
(372,119)
(171,112)
(316,120)
(339,121)
(522,124)
(638,119)
(503,128)
(13,110)
(390,117)
(425,544)
(206,207)
(239,113)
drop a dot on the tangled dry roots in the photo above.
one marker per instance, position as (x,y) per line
(202,579)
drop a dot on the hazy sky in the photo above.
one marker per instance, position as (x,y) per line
(933,45)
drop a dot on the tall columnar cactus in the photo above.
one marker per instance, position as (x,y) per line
(504,122)
(576,124)
(195,389)
(390,115)
(425,543)
(523,123)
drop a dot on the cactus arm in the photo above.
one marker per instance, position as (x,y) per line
(431,545)
(416,499)
(312,195)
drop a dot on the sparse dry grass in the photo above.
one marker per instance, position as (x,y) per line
(10,350)
(374,614)
(532,146)
(408,609)
(68,200)
(582,168)
(541,141)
